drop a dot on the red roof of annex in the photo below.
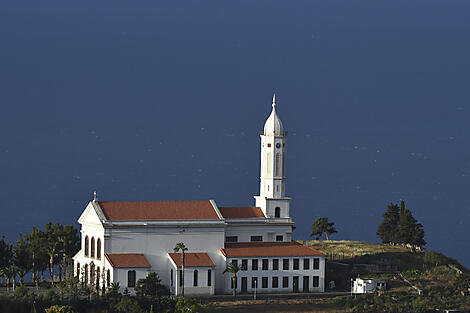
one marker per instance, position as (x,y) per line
(127,260)
(192,259)
(268,249)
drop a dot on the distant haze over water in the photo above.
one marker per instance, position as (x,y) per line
(165,101)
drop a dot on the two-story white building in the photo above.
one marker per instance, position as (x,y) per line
(123,241)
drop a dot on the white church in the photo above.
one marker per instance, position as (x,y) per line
(123,241)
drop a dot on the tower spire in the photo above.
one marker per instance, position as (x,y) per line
(274,100)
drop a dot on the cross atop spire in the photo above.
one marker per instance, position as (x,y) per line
(94,196)
(274,100)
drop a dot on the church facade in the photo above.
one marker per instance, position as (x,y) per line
(123,241)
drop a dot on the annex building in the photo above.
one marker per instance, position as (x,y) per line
(124,241)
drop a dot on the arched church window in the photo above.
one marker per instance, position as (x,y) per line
(195,278)
(86,274)
(108,278)
(86,246)
(92,252)
(78,269)
(131,279)
(98,249)
(171,278)
(277,212)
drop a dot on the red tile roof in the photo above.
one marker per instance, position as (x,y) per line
(260,249)
(192,259)
(158,210)
(127,260)
(241,212)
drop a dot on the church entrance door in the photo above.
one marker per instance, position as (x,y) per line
(244,285)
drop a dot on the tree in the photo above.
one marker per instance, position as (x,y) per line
(234,269)
(180,246)
(22,257)
(150,286)
(322,226)
(6,260)
(399,226)
(388,229)
(52,245)
(37,242)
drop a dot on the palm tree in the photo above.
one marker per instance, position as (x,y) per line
(180,246)
(234,269)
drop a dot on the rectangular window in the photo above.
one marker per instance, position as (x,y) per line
(316,263)
(181,278)
(275,264)
(316,281)
(279,238)
(296,264)
(256,238)
(254,265)
(275,282)
(285,282)
(254,282)
(265,264)
(231,239)
(306,264)
(209,278)
(235,262)
(244,265)
(285,264)
(264,282)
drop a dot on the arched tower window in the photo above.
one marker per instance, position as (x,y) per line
(195,278)
(86,246)
(277,212)
(92,252)
(98,249)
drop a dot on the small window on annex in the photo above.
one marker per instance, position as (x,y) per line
(256,238)
(195,278)
(131,279)
(209,278)
(171,277)
(279,238)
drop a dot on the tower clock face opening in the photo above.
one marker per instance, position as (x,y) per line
(278,145)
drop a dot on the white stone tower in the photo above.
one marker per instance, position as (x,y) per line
(272,199)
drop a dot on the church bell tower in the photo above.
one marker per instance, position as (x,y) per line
(272,199)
